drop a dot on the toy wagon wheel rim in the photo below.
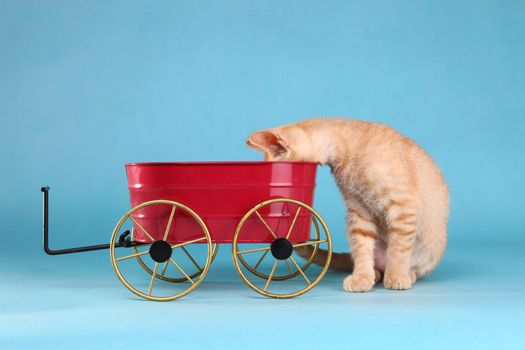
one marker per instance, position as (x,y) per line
(172,279)
(310,284)
(306,265)
(149,295)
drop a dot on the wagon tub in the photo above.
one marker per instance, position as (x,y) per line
(182,211)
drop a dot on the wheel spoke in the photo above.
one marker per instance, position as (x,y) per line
(266,224)
(164,269)
(132,255)
(191,258)
(168,226)
(271,275)
(186,243)
(142,228)
(182,271)
(153,278)
(301,271)
(253,250)
(308,243)
(289,266)
(260,260)
(293,222)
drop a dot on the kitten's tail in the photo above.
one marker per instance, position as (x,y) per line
(339,262)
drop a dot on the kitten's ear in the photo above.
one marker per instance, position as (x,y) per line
(269,142)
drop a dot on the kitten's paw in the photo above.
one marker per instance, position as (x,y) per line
(358,283)
(398,281)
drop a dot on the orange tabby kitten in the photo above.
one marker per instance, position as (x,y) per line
(397,199)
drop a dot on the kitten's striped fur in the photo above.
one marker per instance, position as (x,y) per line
(397,199)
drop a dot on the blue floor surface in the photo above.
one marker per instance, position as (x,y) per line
(474,300)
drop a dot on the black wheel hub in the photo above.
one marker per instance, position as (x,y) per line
(281,248)
(160,251)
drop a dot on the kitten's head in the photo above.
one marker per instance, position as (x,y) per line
(284,143)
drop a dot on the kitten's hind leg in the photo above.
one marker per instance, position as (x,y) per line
(362,232)
(401,232)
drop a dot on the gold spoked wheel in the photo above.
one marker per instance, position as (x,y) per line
(175,279)
(281,254)
(161,253)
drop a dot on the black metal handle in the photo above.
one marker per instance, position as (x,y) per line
(124,240)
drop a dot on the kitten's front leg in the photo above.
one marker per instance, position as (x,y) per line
(362,236)
(401,234)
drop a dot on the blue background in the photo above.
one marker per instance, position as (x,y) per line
(87,86)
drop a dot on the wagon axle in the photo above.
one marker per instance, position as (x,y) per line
(281,248)
(160,251)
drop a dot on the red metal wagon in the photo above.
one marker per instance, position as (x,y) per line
(181,211)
